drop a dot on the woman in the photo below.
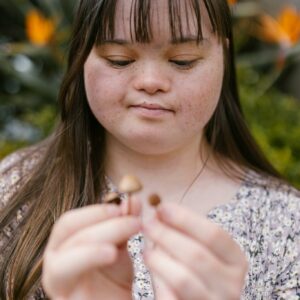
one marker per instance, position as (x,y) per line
(150,90)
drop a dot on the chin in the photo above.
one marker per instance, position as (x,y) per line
(150,146)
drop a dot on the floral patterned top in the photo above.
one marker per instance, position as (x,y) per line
(263,218)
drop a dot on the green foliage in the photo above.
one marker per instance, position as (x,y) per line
(274,119)
(8,147)
(30,73)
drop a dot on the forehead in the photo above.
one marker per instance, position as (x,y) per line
(161,19)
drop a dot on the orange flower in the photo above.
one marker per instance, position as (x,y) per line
(38,28)
(231,2)
(284,30)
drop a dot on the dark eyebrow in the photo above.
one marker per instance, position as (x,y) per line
(182,40)
(189,39)
(116,41)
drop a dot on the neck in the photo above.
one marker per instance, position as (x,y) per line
(168,174)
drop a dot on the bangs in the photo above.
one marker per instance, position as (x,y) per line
(180,13)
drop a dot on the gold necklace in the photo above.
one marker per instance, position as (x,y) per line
(194,180)
(114,193)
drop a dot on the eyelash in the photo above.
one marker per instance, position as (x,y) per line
(182,64)
(120,63)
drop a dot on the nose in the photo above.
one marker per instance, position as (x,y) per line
(151,78)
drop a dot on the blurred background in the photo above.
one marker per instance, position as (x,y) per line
(34,38)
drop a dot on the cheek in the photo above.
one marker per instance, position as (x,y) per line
(97,85)
(201,100)
(102,94)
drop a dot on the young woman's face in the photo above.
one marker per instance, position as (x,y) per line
(156,97)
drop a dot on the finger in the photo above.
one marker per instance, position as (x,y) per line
(189,252)
(136,206)
(62,271)
(113,231)
(181,281)
(161,289)
(202,230)
(80,218)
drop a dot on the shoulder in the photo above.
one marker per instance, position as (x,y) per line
(275,207)
(275,197)
(269,207)
(273,233)
(264,218)
(22,158)
(15,170)
(266,223)
(262,201)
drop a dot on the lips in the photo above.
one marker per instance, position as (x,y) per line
(151,111)
(151,106)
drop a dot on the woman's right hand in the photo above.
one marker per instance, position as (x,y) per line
(86,256)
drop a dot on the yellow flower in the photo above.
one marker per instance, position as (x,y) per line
(39,29)
(284,30)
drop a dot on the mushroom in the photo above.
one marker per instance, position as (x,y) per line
(154,200)
(129,185)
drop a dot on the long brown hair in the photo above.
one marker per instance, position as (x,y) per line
(70,171)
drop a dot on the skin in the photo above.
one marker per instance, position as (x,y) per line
(119,76)
(86,256)
(205,264)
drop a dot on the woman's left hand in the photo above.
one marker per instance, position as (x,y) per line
(193,258)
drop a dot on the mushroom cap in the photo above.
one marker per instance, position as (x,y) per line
(130,184)
(154,200)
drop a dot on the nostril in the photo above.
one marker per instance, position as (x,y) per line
(152,85)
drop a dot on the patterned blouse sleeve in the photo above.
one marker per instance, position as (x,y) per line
(287,284)
(13,170)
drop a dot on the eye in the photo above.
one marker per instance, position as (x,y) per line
(119,63)
(184,64)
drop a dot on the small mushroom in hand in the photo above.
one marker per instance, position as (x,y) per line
(154,200)
(129,184)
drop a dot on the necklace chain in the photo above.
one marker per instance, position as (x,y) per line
(194,180)
(113,187)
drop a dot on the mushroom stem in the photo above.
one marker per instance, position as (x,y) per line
(129,185)
(129,202)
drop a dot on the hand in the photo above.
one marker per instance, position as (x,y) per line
(193,258)
(86,256)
